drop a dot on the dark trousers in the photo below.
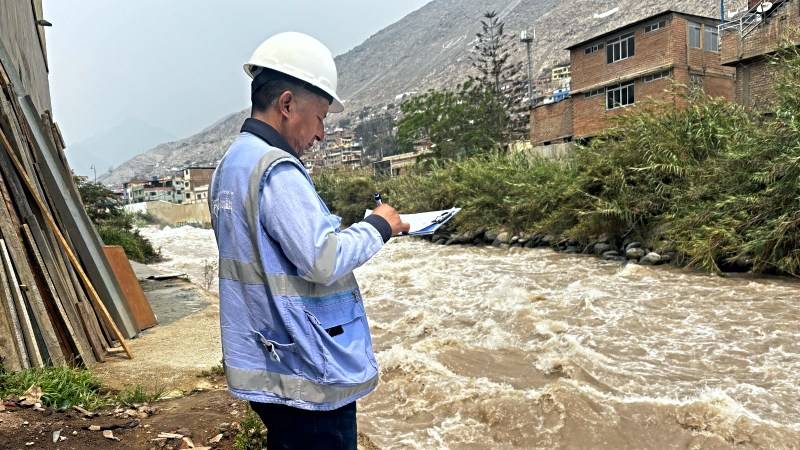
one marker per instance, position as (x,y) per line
(297,429)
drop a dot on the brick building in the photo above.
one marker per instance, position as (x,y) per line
(749,40)
(618,69)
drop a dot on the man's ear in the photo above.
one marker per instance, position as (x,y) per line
(285,103)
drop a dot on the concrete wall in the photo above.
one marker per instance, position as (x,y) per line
(558,151)
(24,44)
(174,215)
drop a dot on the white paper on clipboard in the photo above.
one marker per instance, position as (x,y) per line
(425,223)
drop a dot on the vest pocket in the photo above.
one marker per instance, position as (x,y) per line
(347,354)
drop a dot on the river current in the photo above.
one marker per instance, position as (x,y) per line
(484,348)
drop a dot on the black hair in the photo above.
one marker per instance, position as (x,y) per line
(268,85)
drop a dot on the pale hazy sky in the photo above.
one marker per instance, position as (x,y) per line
(177,64)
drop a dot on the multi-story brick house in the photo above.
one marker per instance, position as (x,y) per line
(620,68)
(748,42)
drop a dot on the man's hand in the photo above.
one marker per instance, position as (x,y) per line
(390,215)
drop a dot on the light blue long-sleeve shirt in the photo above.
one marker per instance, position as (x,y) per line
(309,235)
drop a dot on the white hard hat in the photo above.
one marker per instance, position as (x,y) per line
(300,56)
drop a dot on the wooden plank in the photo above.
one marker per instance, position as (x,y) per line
(31,345)
(134,295)
(10,311)
(93,295)
(19,261)
(9,344)
(75,331)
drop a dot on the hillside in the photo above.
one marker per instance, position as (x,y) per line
(429,48)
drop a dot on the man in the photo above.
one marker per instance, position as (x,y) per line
(295,338)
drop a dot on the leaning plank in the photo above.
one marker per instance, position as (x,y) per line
(13,318)
(27,327)
(9,343)
(71,321)
(93,295)
(78,224)
(20,261)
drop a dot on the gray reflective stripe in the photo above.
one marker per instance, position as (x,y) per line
(293,387)
(280,284)
(323,267)
(230,269)
(289,286)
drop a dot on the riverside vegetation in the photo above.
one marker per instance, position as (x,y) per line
(114,225)
(706,184)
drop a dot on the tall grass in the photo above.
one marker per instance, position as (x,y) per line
(64,387)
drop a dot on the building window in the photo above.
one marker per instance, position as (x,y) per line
(655,26)
(620,95)
(711,39)
(694,35)
(594,48)
(620,48)
(657,76)
(595,92)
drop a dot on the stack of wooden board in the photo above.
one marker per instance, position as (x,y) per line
(60,302)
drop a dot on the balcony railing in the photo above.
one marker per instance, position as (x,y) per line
(747,22)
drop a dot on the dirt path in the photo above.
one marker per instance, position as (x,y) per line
(201,417)
(170,356)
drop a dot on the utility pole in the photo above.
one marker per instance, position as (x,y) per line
(528,40)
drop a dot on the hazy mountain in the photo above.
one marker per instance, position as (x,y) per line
(429,48)
(114,146)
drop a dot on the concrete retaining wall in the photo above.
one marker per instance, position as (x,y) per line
(172,214)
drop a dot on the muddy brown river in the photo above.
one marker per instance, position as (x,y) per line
(484,348)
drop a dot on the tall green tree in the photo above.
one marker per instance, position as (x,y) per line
(458,123)
(497,74)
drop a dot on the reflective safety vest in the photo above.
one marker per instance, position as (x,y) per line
(276,327)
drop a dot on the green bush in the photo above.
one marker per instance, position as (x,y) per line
(114,225)
(347,193)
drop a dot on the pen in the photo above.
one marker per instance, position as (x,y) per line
(378,200)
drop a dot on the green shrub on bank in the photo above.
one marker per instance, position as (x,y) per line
(347,193)
(114,225)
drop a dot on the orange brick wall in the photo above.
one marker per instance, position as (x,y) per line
(755,82)
(552,122)
(667,47)
(652,50)
(591,116)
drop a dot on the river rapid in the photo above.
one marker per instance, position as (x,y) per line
(486,348)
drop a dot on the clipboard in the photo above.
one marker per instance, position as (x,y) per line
(426,223)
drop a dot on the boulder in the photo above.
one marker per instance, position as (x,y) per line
(635,253)
(490,236)
(650,259)
(631,245)
(572,249)
(549,240)
(611,254)
(601,248)
(504,237)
